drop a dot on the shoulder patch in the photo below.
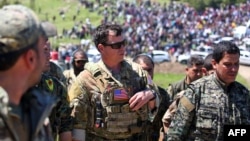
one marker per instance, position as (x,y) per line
(186,103)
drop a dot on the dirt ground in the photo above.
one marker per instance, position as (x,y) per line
(169,67)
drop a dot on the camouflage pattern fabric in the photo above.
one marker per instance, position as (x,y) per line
(96,84)
(175,88)
(70,77)
(20,28)
(56,71)
(28,120)
(206,106)
(60,117)
(49,29)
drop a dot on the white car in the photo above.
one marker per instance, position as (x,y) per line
(183,58)
(93,55)
(160,56)
(244,57)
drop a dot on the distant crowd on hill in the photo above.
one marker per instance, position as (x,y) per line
(174,27)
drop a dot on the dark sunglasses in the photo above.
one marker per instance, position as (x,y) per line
(81,61)
(117,45)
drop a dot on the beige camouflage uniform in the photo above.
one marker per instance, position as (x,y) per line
(95,109)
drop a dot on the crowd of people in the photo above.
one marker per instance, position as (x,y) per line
(174,27)
(114,99)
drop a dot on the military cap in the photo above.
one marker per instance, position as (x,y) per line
(19,28)
(49,28)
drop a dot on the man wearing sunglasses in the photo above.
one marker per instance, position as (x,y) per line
(114,98)
(79,60)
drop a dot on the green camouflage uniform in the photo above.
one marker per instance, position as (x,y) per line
(28,120)
(206,106)
(175,88)
(60,117)
(56,71)
(98,113)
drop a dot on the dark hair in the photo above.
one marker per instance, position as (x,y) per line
(102,31)
(145,58)
(82,52)
(224,47)
(207,62)
(195,60)
(9,59)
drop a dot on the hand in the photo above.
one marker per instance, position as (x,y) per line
(140,99)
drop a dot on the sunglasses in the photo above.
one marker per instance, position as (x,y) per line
(117,45)
(81,61)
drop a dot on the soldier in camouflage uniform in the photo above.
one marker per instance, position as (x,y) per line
(79,59)
(23,111)
(114,98)
(147,64)
(207,66)
(212,101)
(60,117)
(193,72)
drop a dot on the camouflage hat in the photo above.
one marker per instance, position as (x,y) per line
(49,28)
(20,28)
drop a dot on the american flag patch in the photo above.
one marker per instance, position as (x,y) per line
(120,94)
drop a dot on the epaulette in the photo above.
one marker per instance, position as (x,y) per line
(93,68)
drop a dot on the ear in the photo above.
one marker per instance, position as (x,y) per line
(30,59)
(214,63)
(100,47)
(204,71)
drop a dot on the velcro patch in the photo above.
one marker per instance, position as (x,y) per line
(186,103)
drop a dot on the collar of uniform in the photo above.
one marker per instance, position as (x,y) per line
(219,82)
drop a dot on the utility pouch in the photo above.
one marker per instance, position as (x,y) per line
(133,129)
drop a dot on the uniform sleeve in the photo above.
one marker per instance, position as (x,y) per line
(170,92)
(64,110)
(182,120)
(80,93)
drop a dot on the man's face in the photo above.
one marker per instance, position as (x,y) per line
(79,61)
(148,67)
(114,49)
(195,72)
(227,68)
(41,59)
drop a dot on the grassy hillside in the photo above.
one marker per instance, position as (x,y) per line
(47,9)
(164,79)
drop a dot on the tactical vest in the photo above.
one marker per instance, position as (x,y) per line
(113,119)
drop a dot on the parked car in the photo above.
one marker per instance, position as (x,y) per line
(244,57)
(160,56)
(183,58)
(93,55)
